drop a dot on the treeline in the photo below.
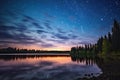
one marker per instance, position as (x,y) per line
(110,42)
(82,52)
(105,45)
(15,50)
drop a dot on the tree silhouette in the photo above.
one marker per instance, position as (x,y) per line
(105,46)
(108,43)
(99,44)
(116,36)
(109,37)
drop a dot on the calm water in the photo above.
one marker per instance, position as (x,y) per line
(31,67)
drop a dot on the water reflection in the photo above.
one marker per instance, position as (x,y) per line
(36,67)
(14,57)
(87,61)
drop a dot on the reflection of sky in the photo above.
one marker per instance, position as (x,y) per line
(57,68)
(55,24)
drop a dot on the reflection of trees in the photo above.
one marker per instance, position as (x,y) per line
(110,66)
(88,61)
(85,54)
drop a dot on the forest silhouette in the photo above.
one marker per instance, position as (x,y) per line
(107,44)
(17,50)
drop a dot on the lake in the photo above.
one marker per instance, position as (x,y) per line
(46,67)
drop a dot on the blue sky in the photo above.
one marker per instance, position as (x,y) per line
(55,24)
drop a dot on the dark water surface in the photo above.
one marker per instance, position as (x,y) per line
(31,67)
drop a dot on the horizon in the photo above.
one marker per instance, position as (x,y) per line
(55,25)
(30,49)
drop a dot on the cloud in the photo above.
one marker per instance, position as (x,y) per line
(28,17)
(84,42)
(72,36)
(20,27)
(32,21)
(58,41)
(21,37)
(5,31)
(61,36)
(9,41)
(6,28)
(25,30)
(47,24)
(64,36)
(37,25)
(46,45)
(25,20)
(5,35)
(14,33)
(43,36)
(41,31)
(60,30)
(18,31)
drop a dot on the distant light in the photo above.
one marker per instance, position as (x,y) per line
(101,19)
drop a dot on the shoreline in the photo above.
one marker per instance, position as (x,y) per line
(36,54)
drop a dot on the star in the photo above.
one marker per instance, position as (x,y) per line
(101,19)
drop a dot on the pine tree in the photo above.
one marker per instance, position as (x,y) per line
(109,37)
(105,46)
(110,40)
(116,36)
(99,45)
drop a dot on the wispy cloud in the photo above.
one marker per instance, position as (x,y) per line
(61,36)
(41,31)
(46,45)
(61,30)
(37,25)
(28,30)
(47,24)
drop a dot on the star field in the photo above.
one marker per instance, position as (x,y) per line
(55,24)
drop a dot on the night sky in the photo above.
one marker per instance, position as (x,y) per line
(55,24)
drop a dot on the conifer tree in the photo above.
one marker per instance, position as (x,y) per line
(116,36)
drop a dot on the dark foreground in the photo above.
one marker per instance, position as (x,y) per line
(59,67)
(110,66)
(37,67)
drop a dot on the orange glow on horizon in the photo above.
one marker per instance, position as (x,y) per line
(57,60)
(36,47)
